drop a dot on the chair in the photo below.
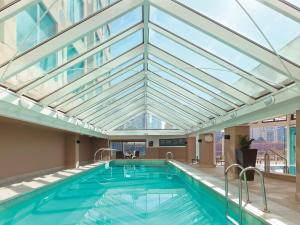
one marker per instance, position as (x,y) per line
(119,155)
(136,154)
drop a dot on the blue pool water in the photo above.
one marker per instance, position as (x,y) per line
(123,192)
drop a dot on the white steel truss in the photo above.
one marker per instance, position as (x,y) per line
(145,91)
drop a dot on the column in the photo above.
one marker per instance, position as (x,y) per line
(231,143)
(191,149)
(298,155)
(72,151)
(207,153)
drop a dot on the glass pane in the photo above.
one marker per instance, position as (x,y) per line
(63,79)
(195,80)
(147,122)
(42,21)
(92,83)
(295,2)
(279,29)
(138,123)
(188,87)
(206,65)
(82,45)
(155,123)
(105,103)
(217,47)
(98,89)
(181,99)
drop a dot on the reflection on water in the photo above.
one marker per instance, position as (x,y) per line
(130,194)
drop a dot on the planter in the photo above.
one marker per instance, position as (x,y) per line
(247,157)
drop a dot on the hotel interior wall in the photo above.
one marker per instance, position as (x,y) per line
(181,153)
(29,150)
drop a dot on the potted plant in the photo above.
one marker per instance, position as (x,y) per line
(245,156)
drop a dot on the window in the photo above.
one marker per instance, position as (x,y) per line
(130,146)
(276,119)
(41,26)
(173,142)
(75,10)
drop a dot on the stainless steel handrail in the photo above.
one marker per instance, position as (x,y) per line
(262,188)
(267,161)
(226,186)
(101,151)
(169,153)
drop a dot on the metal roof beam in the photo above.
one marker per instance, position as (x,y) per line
(226,35)
(188,103)
(193,84)
(124,118)
(114,89)
(115,107)
(166,116)
(80,58)
(101,82)
(99,72)
(115,115)
(152,99)
(125,99)
(199,74)
(211,57)
(14,8)
(207,105)
(67,36)
(284,8)
(89,112)
(176,104)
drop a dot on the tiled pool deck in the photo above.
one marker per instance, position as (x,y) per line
(280,194)
(281,201)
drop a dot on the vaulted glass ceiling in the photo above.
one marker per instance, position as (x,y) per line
(148,64)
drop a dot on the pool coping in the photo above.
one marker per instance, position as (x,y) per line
(269,218)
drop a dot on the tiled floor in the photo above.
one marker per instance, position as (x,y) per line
(280,194)
(14,190)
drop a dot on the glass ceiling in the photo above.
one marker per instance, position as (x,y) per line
(162,65)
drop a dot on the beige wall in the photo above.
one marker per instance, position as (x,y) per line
(27,148)
(191,148)
(207,153)
(180,153)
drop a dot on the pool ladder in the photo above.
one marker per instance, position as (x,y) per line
(169,154)
(242,176)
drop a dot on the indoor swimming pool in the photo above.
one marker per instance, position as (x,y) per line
(131,192)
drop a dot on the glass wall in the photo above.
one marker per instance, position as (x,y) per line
(130,147)
(219,147)
(271,140)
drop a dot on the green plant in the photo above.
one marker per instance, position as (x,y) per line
(245,142)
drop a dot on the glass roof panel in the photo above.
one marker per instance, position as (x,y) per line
(39,22)
(67,77)
(194,79)
(105,103)
(278,28)
(147,121)
(92,83)
(89,41)
(138,123)
(182,99)
(217,47)
(188,87)
(206,65)
(294,2)
(154,123)
(98,89)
